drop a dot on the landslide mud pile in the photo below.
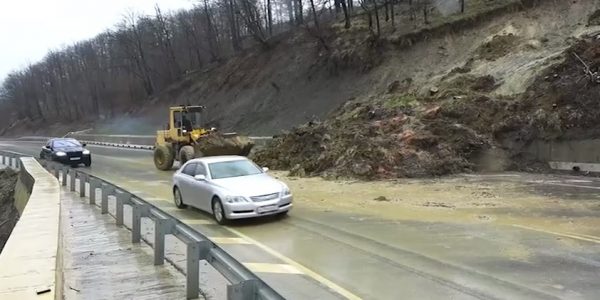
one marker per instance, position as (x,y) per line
(450,129)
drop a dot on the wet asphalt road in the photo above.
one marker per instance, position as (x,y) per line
(331,255)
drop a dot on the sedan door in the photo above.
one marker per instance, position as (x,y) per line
(203,191)
(186,184)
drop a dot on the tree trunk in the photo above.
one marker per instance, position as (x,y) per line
(299,12)
(270,17)
(235,41)
(212,39)
(462,6)
(392,12)
(291,9)
(387,10)
(376,17)
(316,19)
(346,16)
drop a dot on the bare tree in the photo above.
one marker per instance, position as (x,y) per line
(346,15)
(269,18)
(250,15)
(165,37)
(299,12)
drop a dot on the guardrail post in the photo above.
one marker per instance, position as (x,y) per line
(161,227)
(64,175)
(193,269)
(93,186)
(122,198)
(73,175)
(136,222)
(244,290)
(82,180)
(106,189)
(56,170)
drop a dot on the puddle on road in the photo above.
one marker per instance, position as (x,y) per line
(495,199)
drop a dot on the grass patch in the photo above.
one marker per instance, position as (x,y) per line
(406,100)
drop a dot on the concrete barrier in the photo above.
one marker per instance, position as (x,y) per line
(583,155)
(30,265)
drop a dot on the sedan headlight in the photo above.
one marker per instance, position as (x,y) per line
(86,152)
(60,153)
(286,191)
(235,199)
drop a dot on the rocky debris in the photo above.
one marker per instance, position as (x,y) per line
(406,135)
(382,199)
(374,141)
(497,47)
(594,19)
(533,44)
(437,204)
(216,143)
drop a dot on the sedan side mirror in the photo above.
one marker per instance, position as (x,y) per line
(200,177)
(83,145)
(265,169)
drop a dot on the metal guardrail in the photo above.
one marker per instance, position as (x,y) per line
(11,159)
(138,141)
(243,283)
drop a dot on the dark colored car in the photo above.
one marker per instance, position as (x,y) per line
(67,151)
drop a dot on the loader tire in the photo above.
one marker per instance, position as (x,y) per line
(186,153)
(163,157)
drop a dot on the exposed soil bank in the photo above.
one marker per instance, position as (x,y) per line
(8,213)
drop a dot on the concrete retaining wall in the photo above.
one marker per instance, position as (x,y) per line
(564,155)
(30,265)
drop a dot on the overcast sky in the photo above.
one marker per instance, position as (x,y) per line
(29,28)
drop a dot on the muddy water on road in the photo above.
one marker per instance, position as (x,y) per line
(507,199)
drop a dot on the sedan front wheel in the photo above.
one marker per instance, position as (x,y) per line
(219,212)
(178,199)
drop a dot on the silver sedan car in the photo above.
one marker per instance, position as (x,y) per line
(230,187)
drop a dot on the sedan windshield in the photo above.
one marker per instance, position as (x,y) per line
(66,143)
(234,168)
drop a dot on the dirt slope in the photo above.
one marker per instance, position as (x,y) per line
(8,213)
(261,93)
(454,122)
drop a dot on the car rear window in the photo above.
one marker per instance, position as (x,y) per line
(235,168)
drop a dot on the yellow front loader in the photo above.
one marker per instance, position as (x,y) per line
(185,138)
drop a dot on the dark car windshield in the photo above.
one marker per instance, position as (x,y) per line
(65,143)
(234,168)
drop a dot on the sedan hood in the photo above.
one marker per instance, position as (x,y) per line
(253,185)
(68,149)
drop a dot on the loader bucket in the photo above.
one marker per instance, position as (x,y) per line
(215,143)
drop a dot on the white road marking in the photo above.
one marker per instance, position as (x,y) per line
(567,185)
(308,272)
(272,268)
(229,240)
(197,222)
(582,237)
(579,181)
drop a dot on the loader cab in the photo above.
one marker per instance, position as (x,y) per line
(183,120)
